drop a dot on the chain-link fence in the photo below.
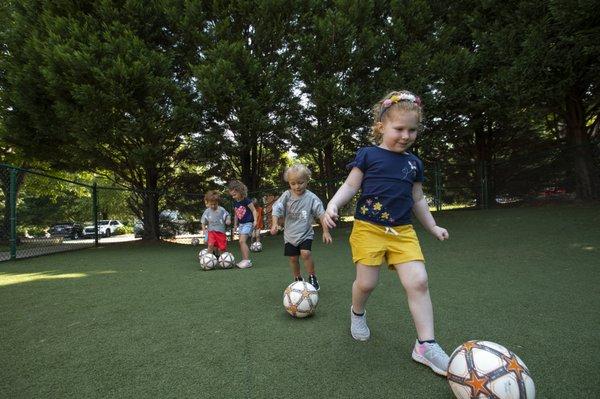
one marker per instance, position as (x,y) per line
(43,214)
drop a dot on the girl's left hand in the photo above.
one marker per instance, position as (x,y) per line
(440,233)
(327,238)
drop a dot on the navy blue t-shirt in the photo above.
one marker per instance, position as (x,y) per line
(386,197)
(242,212)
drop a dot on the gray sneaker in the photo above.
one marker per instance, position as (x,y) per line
(431,355)
(358,326)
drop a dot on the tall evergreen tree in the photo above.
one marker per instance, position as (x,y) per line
(557,69)
(103,85)
(245,85)
(337,57)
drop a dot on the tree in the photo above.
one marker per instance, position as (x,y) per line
(336,54)
(103,86)
(245,82)
(557,68)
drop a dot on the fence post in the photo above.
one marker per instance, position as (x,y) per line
(95,211)
(12,192)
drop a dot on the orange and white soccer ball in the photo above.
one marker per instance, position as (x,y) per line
(300,299)
(226,260)
(256,246)
(483,369)
(208,261)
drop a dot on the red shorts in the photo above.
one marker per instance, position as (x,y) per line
(218,240)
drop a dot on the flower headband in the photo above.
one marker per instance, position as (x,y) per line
(396,98)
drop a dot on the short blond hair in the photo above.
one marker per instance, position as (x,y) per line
(239,187)
(403,101)
(212,196)
(297,169)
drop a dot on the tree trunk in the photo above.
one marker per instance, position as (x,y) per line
(150,207)
(246,164)
(587,179)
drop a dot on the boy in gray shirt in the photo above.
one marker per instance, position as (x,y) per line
(214,219)
(299,207)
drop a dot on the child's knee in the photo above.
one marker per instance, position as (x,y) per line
(418,283)
(306,255)
(365,285)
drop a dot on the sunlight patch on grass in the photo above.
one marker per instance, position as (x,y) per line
(585,247)
(10,279)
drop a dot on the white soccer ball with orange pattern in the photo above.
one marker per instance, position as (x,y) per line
(300,299)
(485,370)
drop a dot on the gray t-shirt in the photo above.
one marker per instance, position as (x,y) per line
(299,214)
(215,219)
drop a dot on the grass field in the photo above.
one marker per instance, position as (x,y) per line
(142,321)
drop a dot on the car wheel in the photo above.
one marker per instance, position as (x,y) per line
(107,233)
(76,236)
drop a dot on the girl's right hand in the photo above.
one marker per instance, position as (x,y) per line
(273,230)
(331,215)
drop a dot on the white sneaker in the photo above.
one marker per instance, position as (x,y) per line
(431,355)
(244,264)
(358,326)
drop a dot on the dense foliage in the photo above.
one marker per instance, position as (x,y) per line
(172,96)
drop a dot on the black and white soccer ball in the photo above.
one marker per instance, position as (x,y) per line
(208,261)
(256,246)
(226,260)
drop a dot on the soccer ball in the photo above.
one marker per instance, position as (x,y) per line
(226,260)
(483,369)
(300,299)
(208,261)
(203,252)
(195,241)
(256,246)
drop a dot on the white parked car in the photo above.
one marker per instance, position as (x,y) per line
(106,228)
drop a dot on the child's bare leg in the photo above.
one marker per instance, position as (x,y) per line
(365,282)
(307,259)
(244,247)
(413,277)
(295,266)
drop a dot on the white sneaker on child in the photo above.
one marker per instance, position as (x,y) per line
(432,355)
(244,264)
(358,326)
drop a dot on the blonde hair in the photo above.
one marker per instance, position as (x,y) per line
(212,196)
(239,187)
(297,169)
(395,101)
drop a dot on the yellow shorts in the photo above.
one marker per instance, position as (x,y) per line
(372,244)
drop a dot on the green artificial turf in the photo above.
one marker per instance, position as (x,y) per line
(139,321)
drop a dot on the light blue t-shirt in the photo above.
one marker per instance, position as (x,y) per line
(386,196)
(215,219)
